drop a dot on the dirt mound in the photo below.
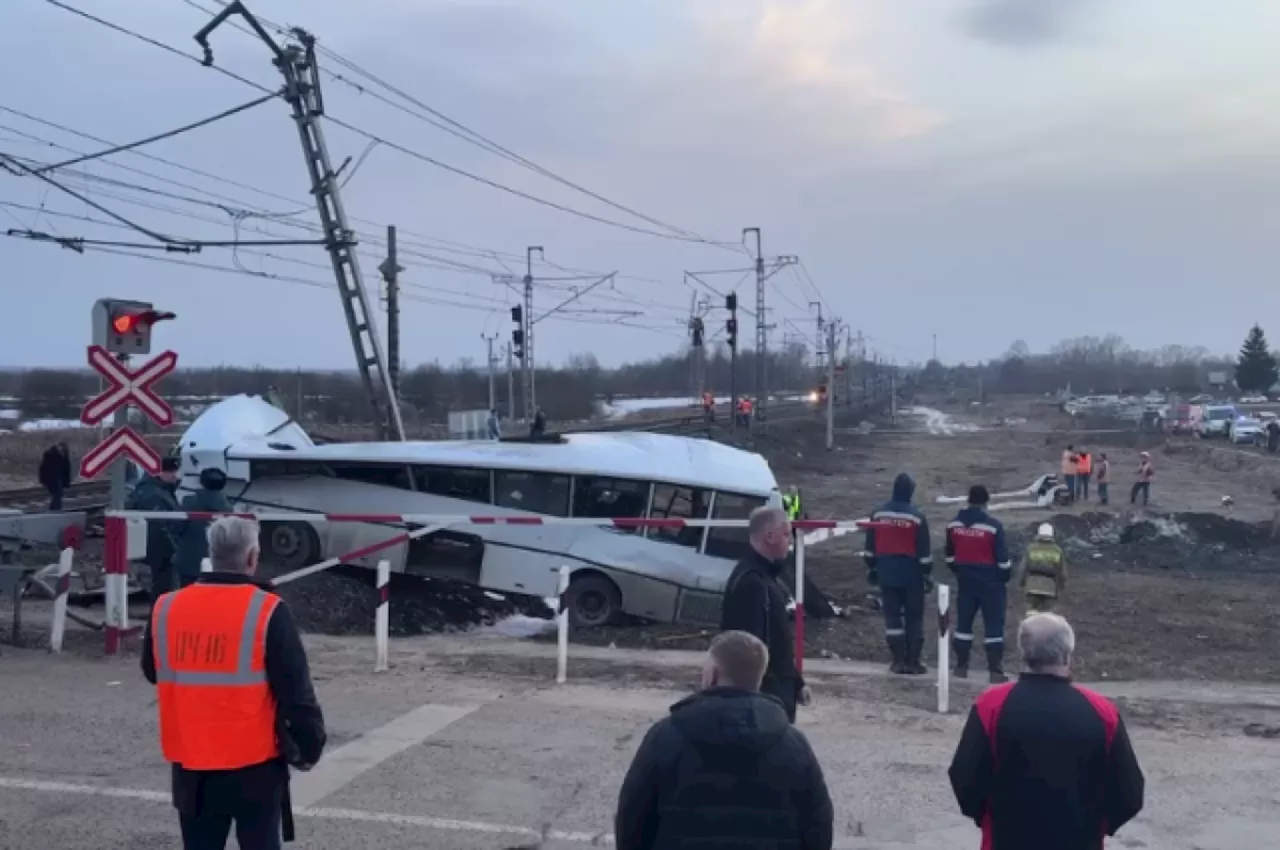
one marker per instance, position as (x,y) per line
(344,601)
(1193,542)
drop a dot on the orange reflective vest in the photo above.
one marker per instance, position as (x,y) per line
(1085,466)
(217,711)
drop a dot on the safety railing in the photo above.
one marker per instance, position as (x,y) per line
(810,532)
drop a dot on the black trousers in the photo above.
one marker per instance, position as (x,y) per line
(784,690)
(163,579)
(55,498)
(233,798)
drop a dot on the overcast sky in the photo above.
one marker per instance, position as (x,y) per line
(984,170)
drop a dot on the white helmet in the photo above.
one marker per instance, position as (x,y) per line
(1045,531)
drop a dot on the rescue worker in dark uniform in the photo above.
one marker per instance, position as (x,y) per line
(755,603)
(156,493)
(192,544)
(235,698)
(899,559)
(978,554)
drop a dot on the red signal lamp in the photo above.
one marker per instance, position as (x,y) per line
(126,323)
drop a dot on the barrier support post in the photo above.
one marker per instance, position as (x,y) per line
(115,581)
(799,538)
(944,648)
(562,629)
(382,621)
(61,587)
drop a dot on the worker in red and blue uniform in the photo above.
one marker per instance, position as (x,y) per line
(979,556)
(899,559)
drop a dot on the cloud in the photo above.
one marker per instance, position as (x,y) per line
(1022,23)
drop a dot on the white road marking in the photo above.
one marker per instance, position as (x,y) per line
(344,764)
(602,838)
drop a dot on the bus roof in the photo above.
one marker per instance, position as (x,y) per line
(247,428)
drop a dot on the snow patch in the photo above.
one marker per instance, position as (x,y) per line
(519,626)
(937,422)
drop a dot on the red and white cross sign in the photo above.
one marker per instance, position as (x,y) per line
(129,387)
(124,441)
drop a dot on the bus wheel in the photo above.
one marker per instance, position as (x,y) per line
(291,545)
(594,600)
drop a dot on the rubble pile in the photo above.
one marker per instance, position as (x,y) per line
(344,601)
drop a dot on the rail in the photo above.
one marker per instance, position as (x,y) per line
(24,496)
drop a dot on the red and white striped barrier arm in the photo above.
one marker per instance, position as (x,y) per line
(473,519)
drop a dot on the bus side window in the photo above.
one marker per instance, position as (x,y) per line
(731,542)
(672,502)
(536,492)
(469,485)
(596,497)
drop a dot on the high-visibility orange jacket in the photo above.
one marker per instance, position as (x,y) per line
(217,711)
(1085,466)
(1069,460)
(745,405)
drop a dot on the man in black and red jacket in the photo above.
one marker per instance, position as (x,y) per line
(1044,764)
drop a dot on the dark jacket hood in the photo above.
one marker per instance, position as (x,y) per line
(151,484)
(904,487)
(729,717)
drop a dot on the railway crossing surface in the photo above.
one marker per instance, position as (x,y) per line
(467,743)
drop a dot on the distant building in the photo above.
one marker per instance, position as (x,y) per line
(1219,380)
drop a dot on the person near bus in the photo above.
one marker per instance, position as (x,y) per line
(979,556)
(1146,474)
(709,406)
(745,408)
(55,473)
(193,546)
(754,602)
(1044,571)
(156,493)
(899,560)
(1084,469)
(235,699)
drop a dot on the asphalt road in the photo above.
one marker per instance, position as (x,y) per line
(425,756)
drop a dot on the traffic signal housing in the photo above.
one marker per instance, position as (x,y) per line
(731,330)
(517,345)
(124,327)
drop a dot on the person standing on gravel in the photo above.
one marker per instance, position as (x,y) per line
(1069,462)
(725,768)
(1044,763)
(1146,474)
(156,493)
(755,603)
(899,559)
(1104,478)
(1084,469)
(192,545)
(1044,571)
(979,556)
(236,705)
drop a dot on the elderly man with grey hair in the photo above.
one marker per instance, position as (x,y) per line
(235,699)
(1066,774)
(755,603)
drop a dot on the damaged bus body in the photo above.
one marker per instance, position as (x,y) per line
(662,574)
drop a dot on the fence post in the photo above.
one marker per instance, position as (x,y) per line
(62,586)
(562,628)
(799,538)
(382,620)
(944,648)
(115,570)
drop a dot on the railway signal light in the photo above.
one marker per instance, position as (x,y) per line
(731,302)
(517,344)
(517,315)
(731,328)
(124,327)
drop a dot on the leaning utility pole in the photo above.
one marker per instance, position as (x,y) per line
(390,270)
(493,401)
(297,63)
(530,401)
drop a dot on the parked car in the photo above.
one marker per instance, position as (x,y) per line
(1245,429)
(1215,420)
(1253,399)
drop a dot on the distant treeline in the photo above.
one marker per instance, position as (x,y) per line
(431,390)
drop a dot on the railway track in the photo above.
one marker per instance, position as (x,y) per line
(79,496)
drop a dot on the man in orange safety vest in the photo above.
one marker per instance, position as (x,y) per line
(236,703)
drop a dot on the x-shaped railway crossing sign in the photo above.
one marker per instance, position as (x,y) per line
(129,387)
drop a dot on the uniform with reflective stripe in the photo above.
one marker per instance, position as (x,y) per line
(1044,568)
(217,711)
(979,556)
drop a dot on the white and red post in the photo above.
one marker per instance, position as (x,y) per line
(799,538)
(382,619)
(562,627)
(944,648)
(115,570)
(61,587)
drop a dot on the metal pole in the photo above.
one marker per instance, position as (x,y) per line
(761,344)
(511,387)
(530,398)
(493,402)
(118,466)
(831,385)
(391,273)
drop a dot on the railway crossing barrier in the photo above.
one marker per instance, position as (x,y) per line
(811,531)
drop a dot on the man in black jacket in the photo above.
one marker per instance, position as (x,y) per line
(1043,763)
(254,797)
(755,603)
(55,473)
(725,769)
(156,493)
